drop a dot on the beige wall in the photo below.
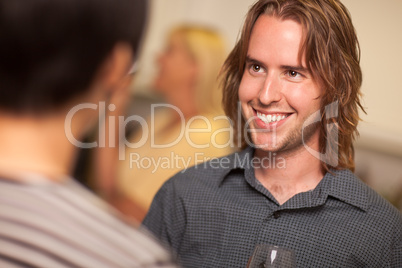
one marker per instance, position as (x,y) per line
(378,24)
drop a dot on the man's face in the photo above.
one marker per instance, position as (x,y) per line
(277,92)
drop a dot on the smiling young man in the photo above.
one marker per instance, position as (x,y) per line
(277,94)
(295,72)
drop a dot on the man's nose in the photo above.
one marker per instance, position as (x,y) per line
(271,90)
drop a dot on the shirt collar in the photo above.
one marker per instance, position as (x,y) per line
(339,184)
(238,160)
(347,187)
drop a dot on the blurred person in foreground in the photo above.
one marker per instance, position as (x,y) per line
(187,79)
(58,60)
(295,72)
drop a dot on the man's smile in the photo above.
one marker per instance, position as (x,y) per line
(266,119)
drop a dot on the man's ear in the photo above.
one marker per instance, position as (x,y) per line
(115,67)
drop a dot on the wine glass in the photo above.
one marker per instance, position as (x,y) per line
(272,256)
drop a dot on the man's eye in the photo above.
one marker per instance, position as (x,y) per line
(293,74)
(256,68)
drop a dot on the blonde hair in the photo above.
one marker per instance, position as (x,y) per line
(207,47)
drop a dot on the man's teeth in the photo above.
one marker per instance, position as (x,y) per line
(270,118)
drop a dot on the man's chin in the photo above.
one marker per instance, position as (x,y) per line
(283,147)
(268,148)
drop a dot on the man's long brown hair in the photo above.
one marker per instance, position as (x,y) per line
(332,55)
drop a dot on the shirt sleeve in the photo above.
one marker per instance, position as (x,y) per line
(166,218)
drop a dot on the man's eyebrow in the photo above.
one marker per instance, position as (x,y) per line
(250,59)
(298,68)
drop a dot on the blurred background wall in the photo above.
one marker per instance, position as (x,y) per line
(378,24)
(379,148)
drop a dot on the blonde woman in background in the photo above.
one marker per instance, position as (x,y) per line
(190,131)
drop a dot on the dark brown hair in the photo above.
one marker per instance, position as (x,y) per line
(332,54)
(51,49)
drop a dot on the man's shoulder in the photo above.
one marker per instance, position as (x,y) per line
(213,169)
(359,193)
(382,209)
(203,176)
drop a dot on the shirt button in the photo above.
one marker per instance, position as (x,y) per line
(277,214)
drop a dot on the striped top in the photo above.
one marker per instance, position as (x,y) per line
(49,224)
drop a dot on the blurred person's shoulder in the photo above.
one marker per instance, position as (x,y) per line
(62,220)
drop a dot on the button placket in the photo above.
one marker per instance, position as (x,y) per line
(276,214)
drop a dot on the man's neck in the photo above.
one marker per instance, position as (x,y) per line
(34,145)
(291,174)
